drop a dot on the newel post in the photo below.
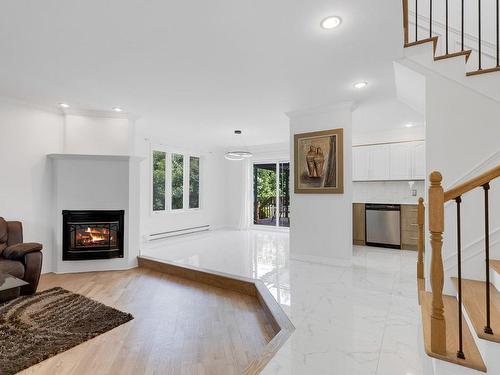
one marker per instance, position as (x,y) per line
(436,227)
(421,238)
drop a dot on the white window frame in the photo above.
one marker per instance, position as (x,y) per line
(169,151)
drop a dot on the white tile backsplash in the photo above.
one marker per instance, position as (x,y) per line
(387,192)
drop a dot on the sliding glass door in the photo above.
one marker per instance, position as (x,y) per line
(271,194)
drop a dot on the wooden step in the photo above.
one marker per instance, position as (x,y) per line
(432,40)
(465,53)
(483,71)
(474,301)
(495,264)
(473,357)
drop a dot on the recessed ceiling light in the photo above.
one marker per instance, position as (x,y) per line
(331,22)
(409,125)
(360,85)
(63,105)
(117,109)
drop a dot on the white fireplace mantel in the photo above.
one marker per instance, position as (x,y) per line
(95,182)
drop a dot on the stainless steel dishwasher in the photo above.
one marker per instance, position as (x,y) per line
(383,225)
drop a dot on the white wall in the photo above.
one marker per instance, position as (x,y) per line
(321,224)
(96,135)
(27,135)
(463,135)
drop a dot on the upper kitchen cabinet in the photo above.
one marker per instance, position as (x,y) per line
(401,161)
(380,161)
(393,161)
(360,163)
(418,160)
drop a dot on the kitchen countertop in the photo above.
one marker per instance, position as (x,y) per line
(405,201)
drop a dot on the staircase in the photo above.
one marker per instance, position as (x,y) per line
(462,331)
(462,25)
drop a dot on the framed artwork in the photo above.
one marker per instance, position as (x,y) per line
(319,162)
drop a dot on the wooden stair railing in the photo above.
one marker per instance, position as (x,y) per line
(437,200)
(431,38)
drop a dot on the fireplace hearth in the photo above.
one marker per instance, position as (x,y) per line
(93,234)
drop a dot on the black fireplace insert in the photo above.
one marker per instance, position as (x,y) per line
(92,234)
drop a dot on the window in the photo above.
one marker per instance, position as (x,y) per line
(159,163)
(175,181)
(194,182)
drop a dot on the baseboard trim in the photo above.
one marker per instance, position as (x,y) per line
(322,260)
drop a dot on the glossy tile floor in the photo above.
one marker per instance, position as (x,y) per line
(354,320)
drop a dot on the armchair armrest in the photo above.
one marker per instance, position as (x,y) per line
(18,251)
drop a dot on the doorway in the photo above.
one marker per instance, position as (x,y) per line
(271,194)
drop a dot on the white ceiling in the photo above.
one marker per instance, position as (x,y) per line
(196,70)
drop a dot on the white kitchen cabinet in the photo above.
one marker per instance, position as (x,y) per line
(401,161)
(418,160)
(360,163)
(379,162)
(386,162)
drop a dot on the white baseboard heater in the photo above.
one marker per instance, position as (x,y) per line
(178,232)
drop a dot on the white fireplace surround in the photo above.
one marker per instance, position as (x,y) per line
(95,182)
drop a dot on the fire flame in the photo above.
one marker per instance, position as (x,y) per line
(97,235)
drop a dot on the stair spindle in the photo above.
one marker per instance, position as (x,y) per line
(498,36)
(430,18)
(416,20)
(462,36)
(447,49)
(487,328)
(460,352)
(479,35)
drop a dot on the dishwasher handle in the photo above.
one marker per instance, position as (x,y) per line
(383,207)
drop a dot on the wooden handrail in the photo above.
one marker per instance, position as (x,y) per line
(421,238)
(405,21)
(471,184)
(436,227)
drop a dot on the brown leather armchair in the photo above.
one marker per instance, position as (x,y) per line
(22,260)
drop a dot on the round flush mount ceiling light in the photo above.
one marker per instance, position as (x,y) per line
(64,105)
(331,22)
(360,85)
(117,109)
(409,125)
(237,155)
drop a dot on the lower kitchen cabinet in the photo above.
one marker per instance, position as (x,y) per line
(409,226)
(358,223)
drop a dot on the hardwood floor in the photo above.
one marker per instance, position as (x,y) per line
(181,327)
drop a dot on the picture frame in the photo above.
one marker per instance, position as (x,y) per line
(319,162)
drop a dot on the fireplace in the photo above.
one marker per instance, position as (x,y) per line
(91,235)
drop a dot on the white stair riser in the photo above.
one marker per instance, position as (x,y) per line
(490,351)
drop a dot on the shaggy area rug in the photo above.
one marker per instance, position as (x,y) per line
(34,328)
